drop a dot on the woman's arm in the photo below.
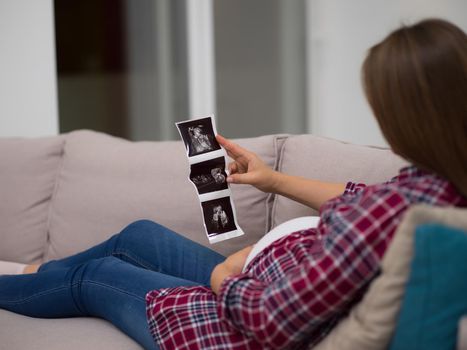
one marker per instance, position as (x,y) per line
(312,193)
(233,265)
(248,168)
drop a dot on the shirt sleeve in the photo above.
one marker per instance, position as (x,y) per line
(353,188)
(284,312)
(351,192)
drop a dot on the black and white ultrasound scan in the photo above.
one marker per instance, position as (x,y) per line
(208,174)
(218,216)
(198,136)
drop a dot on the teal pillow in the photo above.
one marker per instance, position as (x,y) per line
(436,293)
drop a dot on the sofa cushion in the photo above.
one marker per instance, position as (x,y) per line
(371,323)
(333,161)
(105,183)
(435,294)
(28,171)
(19,332)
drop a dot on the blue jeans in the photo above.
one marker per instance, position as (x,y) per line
(111,280)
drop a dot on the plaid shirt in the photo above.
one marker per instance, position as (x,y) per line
(297,288)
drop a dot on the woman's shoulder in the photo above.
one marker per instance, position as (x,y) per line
(420,186)
(411,186)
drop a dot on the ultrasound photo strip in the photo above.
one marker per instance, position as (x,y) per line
(208,174)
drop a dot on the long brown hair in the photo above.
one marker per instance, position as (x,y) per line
(415,81)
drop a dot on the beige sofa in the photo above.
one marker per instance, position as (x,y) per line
(62,194)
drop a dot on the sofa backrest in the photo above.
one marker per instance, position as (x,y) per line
(28,175)
(93,185)
(105,183)
(330,160)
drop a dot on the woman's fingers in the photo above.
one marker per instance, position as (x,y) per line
(244,178)
(233,168)
(228,145)
(242,169)
(233,150)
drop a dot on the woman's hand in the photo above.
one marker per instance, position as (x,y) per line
(247,167)
(233,265)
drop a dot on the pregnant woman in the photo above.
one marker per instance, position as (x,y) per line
(167,292)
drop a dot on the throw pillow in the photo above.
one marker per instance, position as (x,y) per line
(435,296)
(371,323)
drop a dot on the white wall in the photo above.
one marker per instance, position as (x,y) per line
(28,93)
(340,32)
(201,65)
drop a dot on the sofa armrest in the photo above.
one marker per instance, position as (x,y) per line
(462,334)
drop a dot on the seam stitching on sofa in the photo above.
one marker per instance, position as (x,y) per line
(279,167)
(271,196)
(52,197)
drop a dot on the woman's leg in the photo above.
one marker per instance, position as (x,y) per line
(108,288)
(154,247)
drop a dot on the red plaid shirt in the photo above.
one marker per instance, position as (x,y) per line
(296,290)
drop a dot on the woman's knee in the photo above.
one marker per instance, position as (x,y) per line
(142,231)
(142,226)
(95,267)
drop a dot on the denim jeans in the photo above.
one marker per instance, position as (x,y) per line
(111,279)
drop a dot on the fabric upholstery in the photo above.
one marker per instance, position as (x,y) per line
(28,171)
(19,332)
(106,183)
(103,183)
(371,323)
(333,161)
